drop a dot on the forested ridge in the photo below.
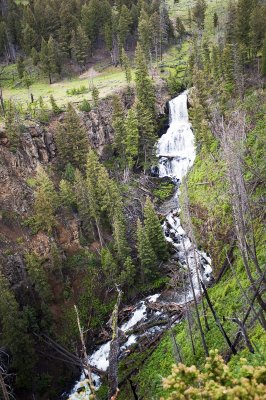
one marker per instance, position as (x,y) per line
(84,210)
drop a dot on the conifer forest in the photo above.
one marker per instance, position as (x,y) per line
(132,199)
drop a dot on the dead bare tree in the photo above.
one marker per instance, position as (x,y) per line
(4,376)
(188,318)
(204,344)
(243,331)
(87,367)
(114,352)
(233,145)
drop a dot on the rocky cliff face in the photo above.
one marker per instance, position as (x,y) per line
(37,147)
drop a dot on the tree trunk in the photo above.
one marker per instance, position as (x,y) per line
(114,352)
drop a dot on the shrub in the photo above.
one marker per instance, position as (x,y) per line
(77,91)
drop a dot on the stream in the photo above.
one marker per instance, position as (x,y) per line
(176,154)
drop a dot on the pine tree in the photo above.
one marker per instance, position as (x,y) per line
(109,266)
(94,17)
(124,24)
(56,110)
(198,13)
(34,56)
(154,231)
(67,194)
(15,337)
(128,273)
(120,235)
(228,67)
(215,20)
(257,27)
(147,138)
(80,46)
(38,279)
(131,138)
(144,86)
(108,192)
(145,33)
(82,201)
(45,204)
(50,58)
(20,67)
(126,66)
(231,23)
(29,39)
(244,10)
(180,28)
(71,140)
(95,95)
(146,254)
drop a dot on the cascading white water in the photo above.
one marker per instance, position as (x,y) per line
(176,153)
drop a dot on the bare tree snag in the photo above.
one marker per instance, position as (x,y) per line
(243,332)
(217,320)
(114,352)
(87,367)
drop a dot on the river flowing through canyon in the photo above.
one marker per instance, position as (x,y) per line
(176,154)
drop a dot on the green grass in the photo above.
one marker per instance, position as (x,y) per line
(107,82)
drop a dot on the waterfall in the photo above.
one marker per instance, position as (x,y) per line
(176,154)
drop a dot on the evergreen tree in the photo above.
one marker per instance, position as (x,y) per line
(80,46)
(56,110)
(124,24)
(126,66)
(109,195)
(82,201)
(244,11)
(38,279)
(215,20)
(145,107)
(95,96)
(257,27)
(144,87)
(198,13)
(94,17)
(128,273)
(154,231)
(34,56)
(50,58)
(228,67)
(132,138)
(29,39)
(71,140)
(109,266)
(20,67)
(145,34)
(120,235)
(15,337)
(147,137)
(45,204)
(146,254)
(180,28)
(231,23)
(67,194)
